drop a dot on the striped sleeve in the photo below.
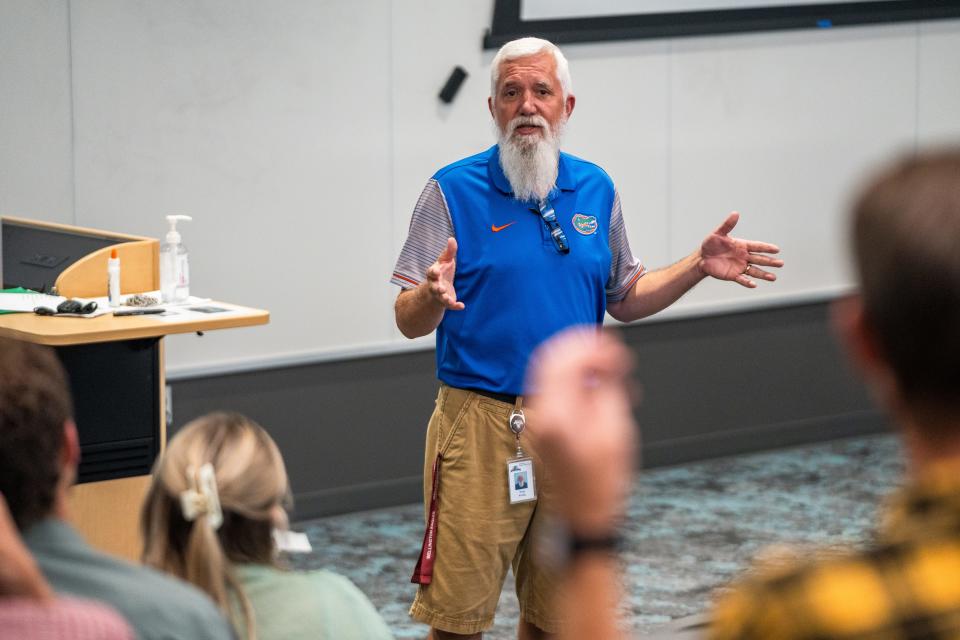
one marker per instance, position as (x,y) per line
(625,268)
(430,227)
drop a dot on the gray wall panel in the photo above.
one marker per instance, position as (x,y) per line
(744,381)
(352,431)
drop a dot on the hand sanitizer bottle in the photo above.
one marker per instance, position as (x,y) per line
(113,279)
(174,268)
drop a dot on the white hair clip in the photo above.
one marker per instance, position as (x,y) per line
(202,499)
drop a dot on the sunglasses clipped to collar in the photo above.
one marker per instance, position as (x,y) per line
(68,306)
(549,216)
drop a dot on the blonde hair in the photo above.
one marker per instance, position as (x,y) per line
(252,484)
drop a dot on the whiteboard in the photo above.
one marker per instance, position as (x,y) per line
(299,135)
(561,9)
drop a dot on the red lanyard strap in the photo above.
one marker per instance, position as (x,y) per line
(423,572)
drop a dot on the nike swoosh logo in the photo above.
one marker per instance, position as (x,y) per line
(495,228)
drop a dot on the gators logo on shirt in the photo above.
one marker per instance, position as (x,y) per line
(585,224)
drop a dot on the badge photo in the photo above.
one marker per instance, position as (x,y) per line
(520,480)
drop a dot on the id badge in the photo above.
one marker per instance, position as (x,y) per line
(520,480)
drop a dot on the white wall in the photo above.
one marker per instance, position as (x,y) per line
(271,125)
(36,165)
(300,133)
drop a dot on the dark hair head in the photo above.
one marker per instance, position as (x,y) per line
(34,406)
(906,232)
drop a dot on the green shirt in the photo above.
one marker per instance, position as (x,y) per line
(315,604)
(157,606)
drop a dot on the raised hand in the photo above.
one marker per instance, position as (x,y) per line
(440,277)
(582,421)
(727,258)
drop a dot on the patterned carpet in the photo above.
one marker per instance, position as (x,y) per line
(690,529)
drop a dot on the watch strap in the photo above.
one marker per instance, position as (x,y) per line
(611,543)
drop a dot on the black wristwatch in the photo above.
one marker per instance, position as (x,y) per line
(558,546)
(610,542)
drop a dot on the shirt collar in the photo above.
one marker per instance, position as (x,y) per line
(565,180)
(52,533)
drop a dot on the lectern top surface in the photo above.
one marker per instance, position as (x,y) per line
(58,331)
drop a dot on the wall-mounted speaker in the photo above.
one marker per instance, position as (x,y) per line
(452,86)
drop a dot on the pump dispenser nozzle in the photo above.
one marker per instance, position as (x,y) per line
(173,236)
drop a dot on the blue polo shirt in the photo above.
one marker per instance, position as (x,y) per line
(518,290)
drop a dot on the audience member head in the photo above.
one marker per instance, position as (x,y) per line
(39,449)
(905,228)
(217,494)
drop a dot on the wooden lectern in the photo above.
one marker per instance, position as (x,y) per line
(116,366)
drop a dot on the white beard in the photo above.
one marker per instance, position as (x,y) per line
(530,165)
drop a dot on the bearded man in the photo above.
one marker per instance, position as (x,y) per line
(505,249)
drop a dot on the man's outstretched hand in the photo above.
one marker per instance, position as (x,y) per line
(440,277)
(727,258)
(420,310)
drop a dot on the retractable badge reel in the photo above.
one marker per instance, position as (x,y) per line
(520,479)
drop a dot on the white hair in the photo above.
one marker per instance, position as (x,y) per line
(523,48)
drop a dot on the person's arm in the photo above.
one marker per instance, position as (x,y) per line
(419,310)
(590,597)
(720,256)
(583,425)
(657,290)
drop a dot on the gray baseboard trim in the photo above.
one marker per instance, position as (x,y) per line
(358,497)
(762,438)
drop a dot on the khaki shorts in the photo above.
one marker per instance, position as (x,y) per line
(480,535)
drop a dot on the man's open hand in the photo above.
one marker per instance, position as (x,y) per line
(440,277)
(727,258)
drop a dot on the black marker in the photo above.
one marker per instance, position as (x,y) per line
(139,312)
